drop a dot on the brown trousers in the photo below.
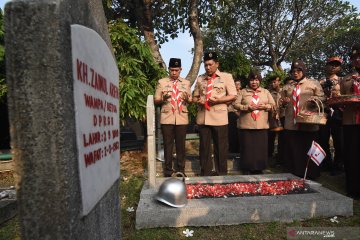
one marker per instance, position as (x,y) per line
(170,133)
(233,138)
(219,135)
(296,146)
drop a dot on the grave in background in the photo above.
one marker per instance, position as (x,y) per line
(237,210)
(234,210)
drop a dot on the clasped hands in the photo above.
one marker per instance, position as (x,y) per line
(284,101)
(212,101)
(184,96)
(261,106)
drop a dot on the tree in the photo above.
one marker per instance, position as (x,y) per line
(138,72)
(235,63)
(266,31)
(337,41)
(158,20)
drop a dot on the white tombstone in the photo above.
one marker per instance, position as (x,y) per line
(96,98)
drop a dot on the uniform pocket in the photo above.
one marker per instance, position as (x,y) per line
(166,109)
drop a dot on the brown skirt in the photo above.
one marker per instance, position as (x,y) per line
(295,148)
(253,149)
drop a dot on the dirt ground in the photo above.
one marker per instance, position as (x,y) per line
(6,179)
(133,162)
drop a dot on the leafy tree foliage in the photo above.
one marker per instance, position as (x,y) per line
(271,74)
(232,61)
(159,21)
(138,70)
(235,63)
(267,31)
(337,41)
(169,17)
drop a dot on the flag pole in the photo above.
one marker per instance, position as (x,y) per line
(307,165)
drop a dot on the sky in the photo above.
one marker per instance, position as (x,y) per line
(2,3)
(181,46)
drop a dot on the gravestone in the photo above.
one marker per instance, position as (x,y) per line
(63,107)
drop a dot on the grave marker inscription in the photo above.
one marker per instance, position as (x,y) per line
(96,99)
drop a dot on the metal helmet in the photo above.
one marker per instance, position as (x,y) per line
(173,192)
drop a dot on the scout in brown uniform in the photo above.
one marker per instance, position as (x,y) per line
(350,85)
(254,103)
(299,137)
(274,116)
(333,125)
(233,116)
(214,90)
(173,94)
(288,84)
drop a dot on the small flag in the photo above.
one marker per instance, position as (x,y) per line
(316,153)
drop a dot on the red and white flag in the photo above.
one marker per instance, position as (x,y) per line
(316,153)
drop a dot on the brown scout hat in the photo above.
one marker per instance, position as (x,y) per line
(300,65)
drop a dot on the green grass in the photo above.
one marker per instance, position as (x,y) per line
(10,230)
(272,230)
(130,188)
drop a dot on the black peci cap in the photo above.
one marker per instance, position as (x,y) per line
(175,62)
(210,56)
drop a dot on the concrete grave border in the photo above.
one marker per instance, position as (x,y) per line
(238,210)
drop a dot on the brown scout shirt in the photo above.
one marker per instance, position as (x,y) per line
(231,108)
(165,86)
(335,90)
(223,85)
(276,112)
(242,103)
(308,88)
(349,113)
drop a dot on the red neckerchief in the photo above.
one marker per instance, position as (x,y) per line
(296,100)
(209,90)
(255,100)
